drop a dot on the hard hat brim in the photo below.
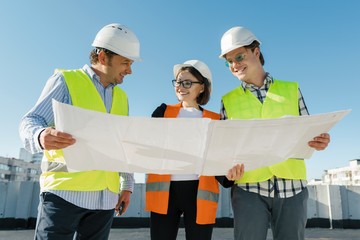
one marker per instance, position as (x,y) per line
(204,70)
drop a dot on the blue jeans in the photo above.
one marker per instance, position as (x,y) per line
(60,220)
(254,213)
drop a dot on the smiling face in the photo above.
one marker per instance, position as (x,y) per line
(116,69)
(188,96)
(245,65)
(112,68)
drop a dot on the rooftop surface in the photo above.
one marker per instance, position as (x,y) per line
(219,233)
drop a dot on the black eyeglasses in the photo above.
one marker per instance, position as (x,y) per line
(184,83)
(238,59)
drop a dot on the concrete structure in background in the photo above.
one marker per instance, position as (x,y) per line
(349,175)
(345,176)
(12,169)
(328,207)
(333,201)
(29,157)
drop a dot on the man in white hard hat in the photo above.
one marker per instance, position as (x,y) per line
(81,205)
(275,194)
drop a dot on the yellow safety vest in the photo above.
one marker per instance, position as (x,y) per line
(281,99)
(55,175)
(158,185)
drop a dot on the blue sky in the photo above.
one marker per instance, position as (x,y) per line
(315,43)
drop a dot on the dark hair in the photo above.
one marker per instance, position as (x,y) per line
(203,97)
(252,46)
(95,53)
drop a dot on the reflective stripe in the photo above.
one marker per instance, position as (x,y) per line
(55,175)
(157,186)
(208,195)
(282,99)
(53,167)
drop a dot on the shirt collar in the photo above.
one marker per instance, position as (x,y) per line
(268,80)
(89,71)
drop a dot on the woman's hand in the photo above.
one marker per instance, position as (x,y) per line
(236,172)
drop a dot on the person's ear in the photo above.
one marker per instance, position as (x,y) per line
(257,52)
(102,57)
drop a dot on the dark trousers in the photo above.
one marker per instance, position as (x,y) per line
(60,220)
(182,201)
(253,213)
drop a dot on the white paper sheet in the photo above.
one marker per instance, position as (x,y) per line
(184,145)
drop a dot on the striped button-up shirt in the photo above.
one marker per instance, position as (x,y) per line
(41,116)
(283,188)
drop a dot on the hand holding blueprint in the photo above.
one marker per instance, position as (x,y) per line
(183,145)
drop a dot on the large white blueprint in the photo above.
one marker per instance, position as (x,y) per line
(184,145)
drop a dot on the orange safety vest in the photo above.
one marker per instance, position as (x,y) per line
(157,186)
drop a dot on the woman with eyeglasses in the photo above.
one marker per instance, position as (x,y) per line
(168,197)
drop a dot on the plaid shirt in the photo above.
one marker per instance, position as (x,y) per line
(284,188)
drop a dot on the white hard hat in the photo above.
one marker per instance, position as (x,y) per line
(198,65)
(120,40)
(236,37)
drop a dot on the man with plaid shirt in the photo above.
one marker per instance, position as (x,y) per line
(275,194)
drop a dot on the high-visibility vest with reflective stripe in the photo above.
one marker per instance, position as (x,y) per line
(158,186)
(281,99)
(55,175)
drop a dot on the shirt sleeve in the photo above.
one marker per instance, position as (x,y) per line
(127,181)
(226,183)
(302,106)
(223,115)
(159,111)
(41,115)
